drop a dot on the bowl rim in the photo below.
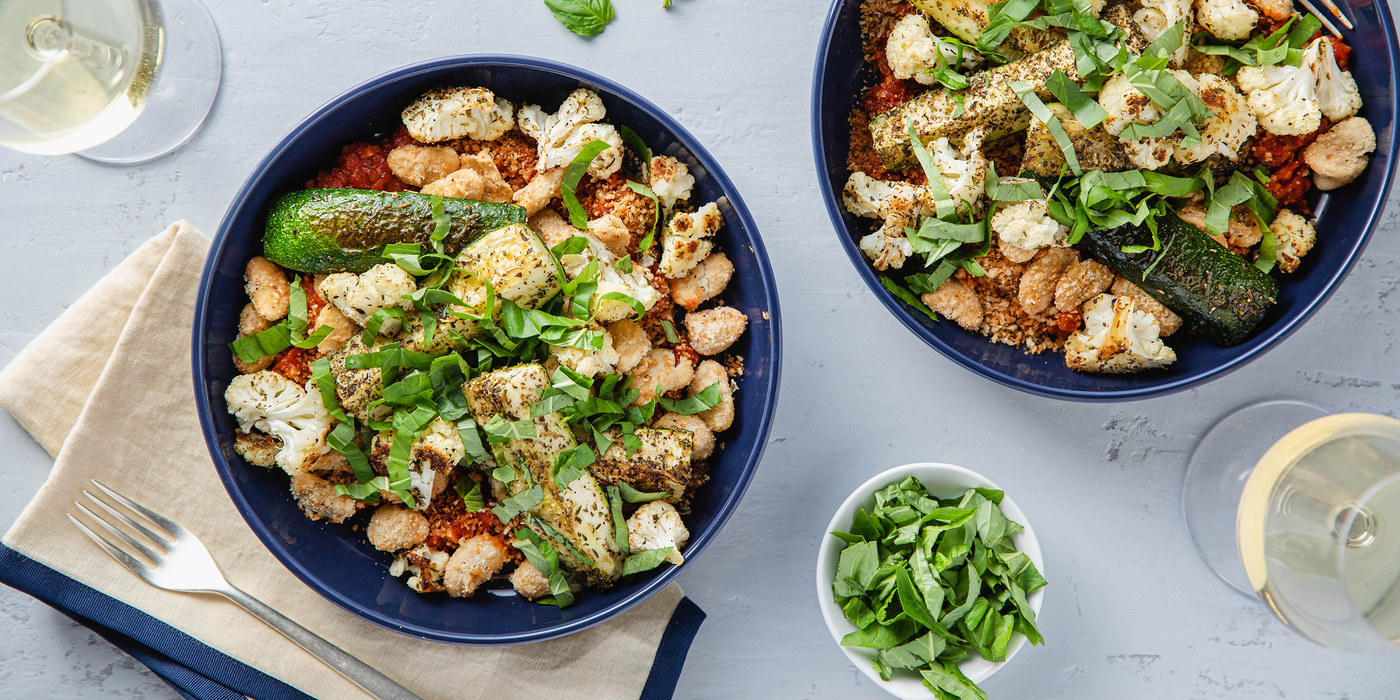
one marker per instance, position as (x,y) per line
(770,392)
(1270,338)
(829,549)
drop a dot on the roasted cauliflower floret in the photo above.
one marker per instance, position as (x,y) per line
(1284,98)
(444,114)
(274,405)
(1116,339)
(358,388)
(635,283)
(360,296)
(1231,20)
(432,457)
(1294,236)
(657,525)
(957,301)
(687,240)
(1157,16)
(1339,156)
(588,362)
(1229,130)
(671,181)
(259,449)
(1028,225)
(474,562)
(964,172)
(897,204)
(1337,95)
(560,136)
(912,50)
(425,567)
(268,287)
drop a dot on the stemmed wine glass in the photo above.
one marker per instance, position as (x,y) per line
(1301,507)
(116,81)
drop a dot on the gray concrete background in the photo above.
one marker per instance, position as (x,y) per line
(1131,611)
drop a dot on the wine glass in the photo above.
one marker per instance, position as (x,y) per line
(115,81)
(1301,507)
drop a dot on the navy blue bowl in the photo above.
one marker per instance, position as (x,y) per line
(1347,217)
(337,562)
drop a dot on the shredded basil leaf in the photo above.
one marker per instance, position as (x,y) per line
(471,498)
(575,172)
(670,331)
(645,560)
(620,535)
(906,296)
(632,495)
(708,398)
(1051,122)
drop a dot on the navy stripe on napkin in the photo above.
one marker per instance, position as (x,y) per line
(199,672)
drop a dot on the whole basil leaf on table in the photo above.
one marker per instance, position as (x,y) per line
(930,581)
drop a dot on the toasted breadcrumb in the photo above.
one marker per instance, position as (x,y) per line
(956,301)
(630,341)
(1083,281)
(704,441)
(513,153)
(1169,322)
(268,287)
(712,331)
(420,165)
(477,179)
(394,527)
(475,561)
(1038,282)
(612,196)
(721,416)
(317,498)
(528,581)
(543,188)
(704,282)
(659,372)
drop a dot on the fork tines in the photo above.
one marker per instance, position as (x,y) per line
(1323,17)
(115,540)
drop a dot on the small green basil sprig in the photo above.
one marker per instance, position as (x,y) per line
(927,582)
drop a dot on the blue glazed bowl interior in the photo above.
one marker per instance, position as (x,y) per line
(1346,219)
(336,561)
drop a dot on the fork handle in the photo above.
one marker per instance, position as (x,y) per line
(355,670)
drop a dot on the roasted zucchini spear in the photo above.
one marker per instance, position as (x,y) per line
(516,263)
(1218,293)
(662,463)
(1095,148)
(988,101)
(967,19)
(579,514)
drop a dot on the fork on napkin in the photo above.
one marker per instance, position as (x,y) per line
(107,390)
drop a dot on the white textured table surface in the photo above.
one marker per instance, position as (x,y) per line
(1131,612)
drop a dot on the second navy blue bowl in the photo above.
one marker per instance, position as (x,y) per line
(337,562)
(1347,217)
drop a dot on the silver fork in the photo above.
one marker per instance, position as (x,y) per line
(180,562)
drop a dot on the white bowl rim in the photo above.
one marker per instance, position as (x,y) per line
(905,684)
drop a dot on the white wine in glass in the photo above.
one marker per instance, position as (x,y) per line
(1316,519)
(119,81)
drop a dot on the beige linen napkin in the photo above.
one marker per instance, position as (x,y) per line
(107,390)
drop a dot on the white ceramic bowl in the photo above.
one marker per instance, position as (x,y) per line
(942,481)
